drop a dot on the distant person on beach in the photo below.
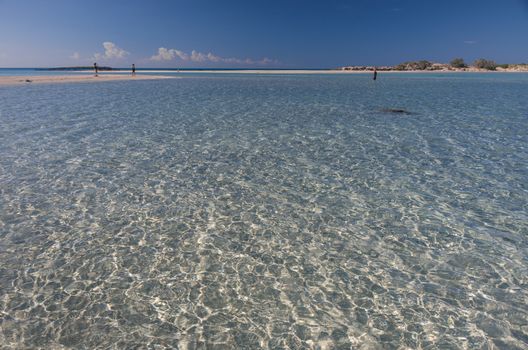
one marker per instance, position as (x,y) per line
(133,69)
(95,68)
(375,74)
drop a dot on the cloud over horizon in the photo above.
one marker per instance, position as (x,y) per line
(112,51)
(165,54)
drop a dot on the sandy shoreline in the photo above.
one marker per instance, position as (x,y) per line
(304,71)
(51,79)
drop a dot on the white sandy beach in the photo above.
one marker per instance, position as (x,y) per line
(307,71)
(234,71)
(50,79)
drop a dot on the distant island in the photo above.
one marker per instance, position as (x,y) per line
(101,68)
(456,65)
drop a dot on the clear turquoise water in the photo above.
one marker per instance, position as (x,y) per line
(266,212)
(23,72)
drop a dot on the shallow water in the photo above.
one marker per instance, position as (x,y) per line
(266,212)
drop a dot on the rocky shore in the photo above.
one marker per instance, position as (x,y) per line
(440,67)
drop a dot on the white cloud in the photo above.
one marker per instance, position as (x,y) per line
(169,54)
(198,57)
(75,56)
(112,51)
(266,60)
(165,54)
(470,42)
(213,58)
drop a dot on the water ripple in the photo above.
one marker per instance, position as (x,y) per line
(265,212)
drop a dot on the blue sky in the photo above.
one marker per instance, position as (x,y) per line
(259,33)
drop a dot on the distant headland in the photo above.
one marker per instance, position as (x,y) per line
(456,65)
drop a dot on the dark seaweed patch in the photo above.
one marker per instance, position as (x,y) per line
(396,111)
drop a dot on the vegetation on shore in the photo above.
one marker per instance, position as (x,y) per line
(485,64)
(456,64)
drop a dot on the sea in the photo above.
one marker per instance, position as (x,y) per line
(265,211)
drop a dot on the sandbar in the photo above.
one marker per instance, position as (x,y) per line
(52,79)
(310,71)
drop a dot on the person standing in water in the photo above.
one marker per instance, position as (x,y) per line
(133,69)
(375,74)
(95,68)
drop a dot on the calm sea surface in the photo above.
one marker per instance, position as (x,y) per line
(272,211)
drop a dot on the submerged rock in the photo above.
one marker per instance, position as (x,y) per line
(396,111)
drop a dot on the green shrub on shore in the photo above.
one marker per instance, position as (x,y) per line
(458,63)
(485,64)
